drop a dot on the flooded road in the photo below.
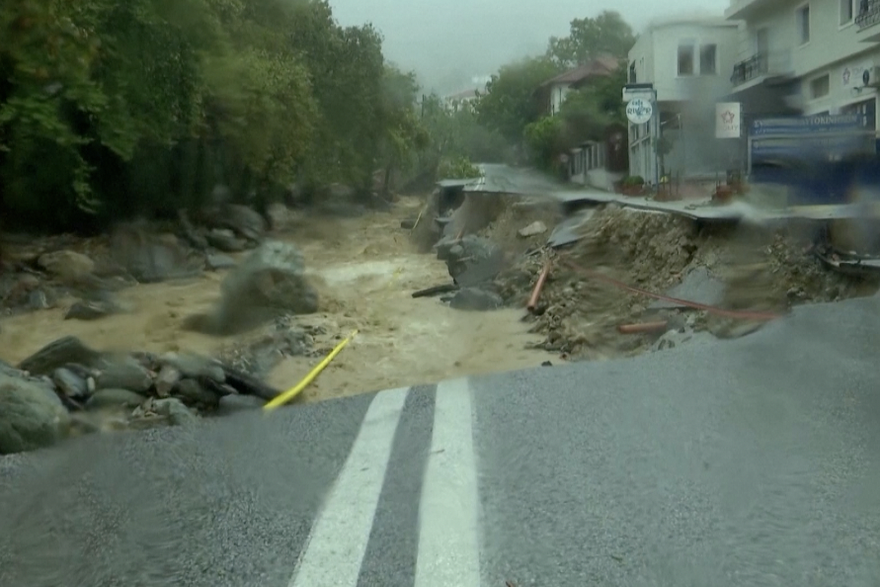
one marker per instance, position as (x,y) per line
(365,269)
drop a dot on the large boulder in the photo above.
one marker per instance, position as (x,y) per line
(243,221)
(269,282)
(31,415)
(472,260)
(150,258)
(67,266)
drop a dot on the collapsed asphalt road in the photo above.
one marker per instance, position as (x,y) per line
(748,462)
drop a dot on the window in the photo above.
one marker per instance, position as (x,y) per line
(868,108)
(847,11)
(632,73)
(708,54)
(686,59)
(820,87)
(802,18)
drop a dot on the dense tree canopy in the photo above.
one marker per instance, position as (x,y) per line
(110,107)
(584,115)
(509,103)
(455,137)
(589,38)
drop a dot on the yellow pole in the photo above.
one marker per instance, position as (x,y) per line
(291,393)
(416,223)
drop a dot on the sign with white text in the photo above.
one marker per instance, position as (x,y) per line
(639,111)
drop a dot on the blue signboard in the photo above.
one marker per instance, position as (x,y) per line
(808,125)
(811,146)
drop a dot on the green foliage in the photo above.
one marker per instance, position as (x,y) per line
(456,135)
(545,141)
(509,103)
(584,116)
(459,167)
(110,107)
(590,38)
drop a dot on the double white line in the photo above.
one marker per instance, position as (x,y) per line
(448,549)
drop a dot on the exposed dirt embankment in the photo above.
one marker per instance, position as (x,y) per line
(758,269)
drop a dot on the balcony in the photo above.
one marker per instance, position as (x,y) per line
(761,66)
(869,14)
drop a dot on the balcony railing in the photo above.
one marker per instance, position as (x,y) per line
(754,66)
(869,14)
(776,63)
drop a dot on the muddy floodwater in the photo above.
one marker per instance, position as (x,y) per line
(365,269)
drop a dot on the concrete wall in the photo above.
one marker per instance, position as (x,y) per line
(672,87)
(558,93)
(642,54)
(832,50)
(844,84)
(602,179)
(690,97)
(829,41)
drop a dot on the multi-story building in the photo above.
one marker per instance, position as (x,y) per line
(813,57)
(687,62)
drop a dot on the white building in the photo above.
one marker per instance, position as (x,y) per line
(688,63)
(819,57)
(461,100)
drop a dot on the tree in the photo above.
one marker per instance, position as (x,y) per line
(403,133)
(112,108)
(509,103)
(584,116)
(544,139)
(590,38)
(455,136)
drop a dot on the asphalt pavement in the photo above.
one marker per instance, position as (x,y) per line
(750,462)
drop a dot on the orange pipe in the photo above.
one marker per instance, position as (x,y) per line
(741,314)
(539,285)
(643,327)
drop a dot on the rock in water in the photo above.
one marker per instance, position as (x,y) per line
(244,221)
(225,240)
(58,354)
(269,282)
(104,398)
(71,384)
(125,374)
(31,416)
(68,266)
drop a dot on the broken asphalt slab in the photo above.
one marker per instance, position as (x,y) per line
(698,286)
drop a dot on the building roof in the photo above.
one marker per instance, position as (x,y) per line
(465,95)
(601,66)
(695,21)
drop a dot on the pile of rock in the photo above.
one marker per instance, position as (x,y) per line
(67,388)
(473,263)
(40,272)
(270,282)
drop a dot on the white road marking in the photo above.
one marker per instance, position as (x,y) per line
(338,539)
(449,543)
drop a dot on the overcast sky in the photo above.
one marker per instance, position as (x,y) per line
(450,41)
